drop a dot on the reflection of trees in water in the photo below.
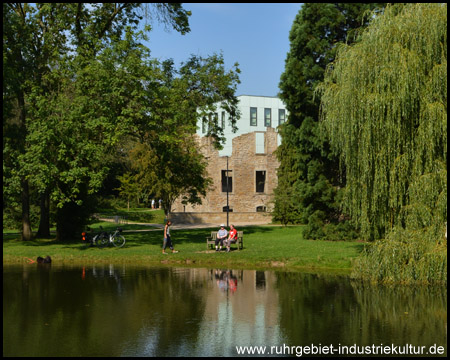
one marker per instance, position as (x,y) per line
(100,310)
(311,308)
(414,315)
(326,310)
(160,299)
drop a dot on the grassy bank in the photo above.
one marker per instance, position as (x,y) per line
(265,247)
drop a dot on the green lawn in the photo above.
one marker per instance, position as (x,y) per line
(264,247)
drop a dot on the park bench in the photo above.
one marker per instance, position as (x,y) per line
(211,240)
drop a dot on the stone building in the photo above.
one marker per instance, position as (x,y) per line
(249,160)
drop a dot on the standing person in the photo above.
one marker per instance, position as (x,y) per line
(153,203)
(221,236)
(231,238)
(167,239)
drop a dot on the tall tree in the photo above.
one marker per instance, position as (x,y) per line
(385,108)
(166,159)
(306,162)
(48,50)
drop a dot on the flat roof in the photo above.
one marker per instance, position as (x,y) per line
(259,96)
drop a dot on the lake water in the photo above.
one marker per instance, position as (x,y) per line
(111,310)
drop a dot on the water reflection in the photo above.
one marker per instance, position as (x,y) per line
(317,309)
(115,310)
(226,280)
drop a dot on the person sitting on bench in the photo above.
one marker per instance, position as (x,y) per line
(221,236)
(232,238)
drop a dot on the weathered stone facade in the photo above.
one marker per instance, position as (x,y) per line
(244,199)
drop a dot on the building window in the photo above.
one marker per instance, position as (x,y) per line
(204,124)
(261,208)
(210,120)
(223,120)
(253,116)
(216,119)
(260,280)
(281,116)
(225,209)
(224,181)
(260,181)
(267,117)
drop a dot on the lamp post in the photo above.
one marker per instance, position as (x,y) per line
(228,208)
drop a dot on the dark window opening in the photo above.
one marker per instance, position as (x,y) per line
(253,116)
(267,117)
(227,180)
(281,116)
(260,280)
(260,181)
(204,124)
(261,209)
(225,209)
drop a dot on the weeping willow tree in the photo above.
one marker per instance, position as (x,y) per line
(384,108)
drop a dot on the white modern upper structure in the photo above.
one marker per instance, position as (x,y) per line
(257,113)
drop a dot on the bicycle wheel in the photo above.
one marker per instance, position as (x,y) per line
(101,240)
(119,241)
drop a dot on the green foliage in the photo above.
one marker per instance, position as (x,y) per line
(129,188)
(73,86)
(306,162)
(166,160)
(385,109)
(405,256)
(12,217)
(285,204)
(180,169)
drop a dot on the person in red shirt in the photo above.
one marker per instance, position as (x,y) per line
(232,237)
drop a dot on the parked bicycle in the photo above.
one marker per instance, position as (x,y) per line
(103,238)
(87,239)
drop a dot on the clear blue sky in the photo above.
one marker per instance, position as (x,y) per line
(254,35)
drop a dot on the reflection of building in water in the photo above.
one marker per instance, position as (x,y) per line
(246,316)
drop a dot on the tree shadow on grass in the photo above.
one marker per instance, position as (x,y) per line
(147,236)
(179,236)
(154,237)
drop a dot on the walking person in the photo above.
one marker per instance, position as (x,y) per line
(167,239)
(221,236)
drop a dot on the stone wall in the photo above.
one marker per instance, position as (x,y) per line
(243,163)
(217,218)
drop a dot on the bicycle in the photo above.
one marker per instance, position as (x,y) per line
(87,238)
(103,238)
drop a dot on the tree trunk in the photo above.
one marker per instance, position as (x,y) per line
(44,223)
(27,234)
(26,224)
